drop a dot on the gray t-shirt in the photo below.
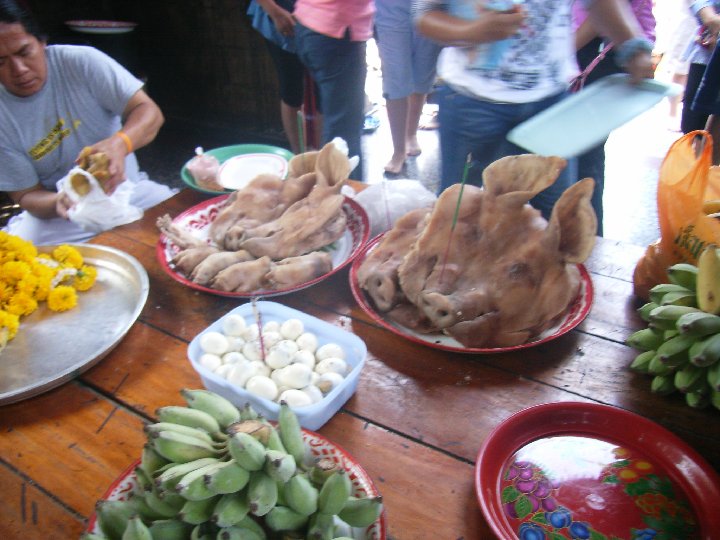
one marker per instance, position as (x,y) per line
(80,104)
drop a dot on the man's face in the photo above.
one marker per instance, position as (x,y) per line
(23,67)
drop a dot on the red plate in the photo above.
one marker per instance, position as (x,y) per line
(198,219)
(320,447)
(574,316)
(595,471)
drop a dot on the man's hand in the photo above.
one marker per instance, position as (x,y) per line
(63,203)
(116,150)
(640,66)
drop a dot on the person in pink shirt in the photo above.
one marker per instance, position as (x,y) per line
(331,38)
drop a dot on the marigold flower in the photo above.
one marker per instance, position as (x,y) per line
(21,304)
(62,298)
(85,278)
(68,255)
(9,321)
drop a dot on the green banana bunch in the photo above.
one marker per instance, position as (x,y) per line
(664,317)
(698,324)
(706,351)
(683,274)
(211,471)
(658,292)
(215,405)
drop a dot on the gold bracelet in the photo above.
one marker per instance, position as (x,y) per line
(126,140)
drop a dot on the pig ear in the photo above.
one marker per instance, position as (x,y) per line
(302,164)
(574,222)
(527,173)
(333,167)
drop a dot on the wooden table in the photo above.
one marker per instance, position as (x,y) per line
(415,423)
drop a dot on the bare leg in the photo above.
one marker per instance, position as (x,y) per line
(676,100)
(415,108)
(289,117)
(397,110)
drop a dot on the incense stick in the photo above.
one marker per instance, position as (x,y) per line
(258,321)
(301,131)
(468,164)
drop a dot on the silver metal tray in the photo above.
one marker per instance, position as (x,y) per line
(52,348)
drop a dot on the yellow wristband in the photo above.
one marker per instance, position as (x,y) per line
(126,140)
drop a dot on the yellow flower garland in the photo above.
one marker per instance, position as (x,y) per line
(28,278)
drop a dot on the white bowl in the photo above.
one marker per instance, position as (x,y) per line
(311,416)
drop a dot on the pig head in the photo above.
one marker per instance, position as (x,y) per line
(503,274)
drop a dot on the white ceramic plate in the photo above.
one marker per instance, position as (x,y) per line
(237,171)
(101,27)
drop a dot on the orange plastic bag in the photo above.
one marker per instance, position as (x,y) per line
(685,182)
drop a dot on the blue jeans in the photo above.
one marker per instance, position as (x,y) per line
(473,126)
(592,164)
(339,69)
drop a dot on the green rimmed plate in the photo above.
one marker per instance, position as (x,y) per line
(275,157)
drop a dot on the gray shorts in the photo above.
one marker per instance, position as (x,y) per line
(408,59)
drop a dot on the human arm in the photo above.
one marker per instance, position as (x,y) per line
(705,13)
(615,20)
(282,18)
(435,23)
(141,121)
(584,34)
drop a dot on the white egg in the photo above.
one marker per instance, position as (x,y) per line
(328,381)
(234,325)
(307,341)
(292,328)
(271,326)
(210,361)
(337,365)
(330,350)
(296,376)
(223,370)
(241,373)
(261,367)
(262,386)
(282,389)
(315,378)
(270,339)
(251,350)
(304,357)
(295,398)
(277,359)
(313,392)
(214,343)
(276,375)
(235,343)
(251,332)
(233,357)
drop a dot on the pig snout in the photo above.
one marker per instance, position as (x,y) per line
(448,310)
(383,289)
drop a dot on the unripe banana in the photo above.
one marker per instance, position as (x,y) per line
(674,352)
(251,524)
(657,292)
(185,430)
(657,367)
(698,400)
(708,280)
(668,334)
(143,481)
(166,508)
(181,448)
(169,478)
(291,433)
(262,493)
(323,469)
(187,416)
(248,413)
(230,509)
(706,351)
(113,516)
(646,339)
(144,510)
(274,441)
(641,362)
(690,379)
(301,495)
(282,518)
(238,533)
(678,298)
(151,461)
(665,317)
(192,486)
(321,527)
(215,405)
(713,376)
(645,309)
(662,385)
(136,530)
(683,274)
(698,324)
(247,451)
(279,466)
(197,512)
(229,478)
(204,531)
(361,512)
(334,493)
(169,529)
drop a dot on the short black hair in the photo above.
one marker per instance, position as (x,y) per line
(13,13)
